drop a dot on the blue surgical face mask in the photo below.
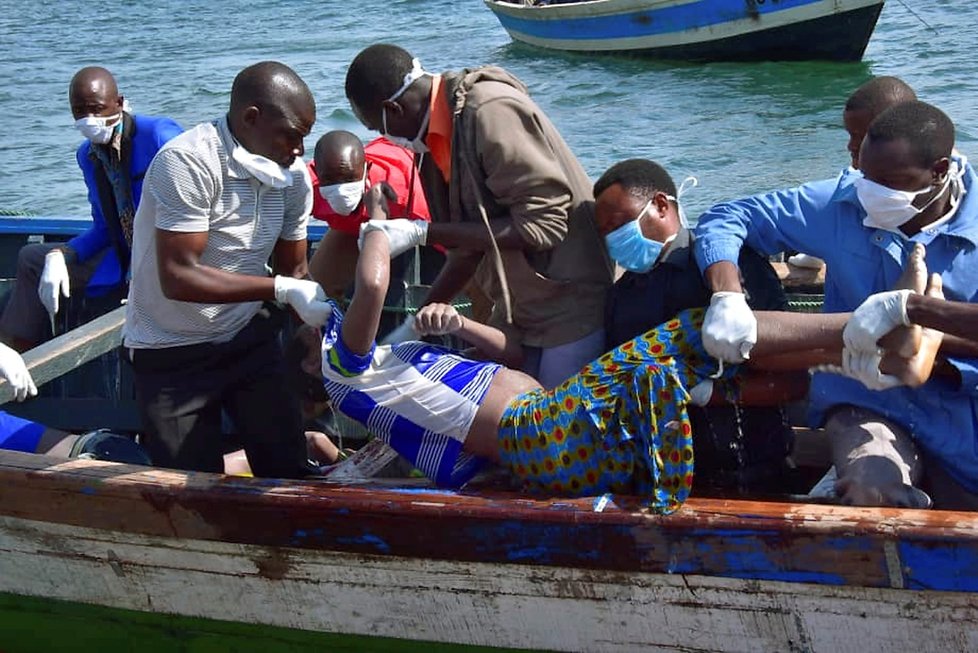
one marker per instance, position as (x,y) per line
(631,249)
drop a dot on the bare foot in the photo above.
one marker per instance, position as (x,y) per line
(915,370)
(903,340)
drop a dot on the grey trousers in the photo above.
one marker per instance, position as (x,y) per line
(25,318)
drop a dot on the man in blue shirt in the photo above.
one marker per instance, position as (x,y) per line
(114,157)
(912,189)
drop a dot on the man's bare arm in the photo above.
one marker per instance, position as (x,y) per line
(184,278)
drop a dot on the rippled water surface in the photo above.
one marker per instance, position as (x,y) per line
(740,128)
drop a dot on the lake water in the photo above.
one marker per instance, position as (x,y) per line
(741,128)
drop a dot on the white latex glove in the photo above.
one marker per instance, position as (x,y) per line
(401,234)
(874,318)
(701,393)
(729,327)
(306,297)
(437,320)
(865,368)
(13,369)
(806,261)
(54,281)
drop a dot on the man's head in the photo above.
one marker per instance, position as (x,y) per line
(272,111)
(95,103)
(303,365)
(905,160)
(868,101)
(636,212)
(341,167)
(388,92)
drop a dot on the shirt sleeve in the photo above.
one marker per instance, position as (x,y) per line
(184,190)
(96,238)
(801,218)
(524,174)
(338,360)
(298,203)
(968,369)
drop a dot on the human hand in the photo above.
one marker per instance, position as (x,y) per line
(701,393)
(376,199)
(865,368)
(54,281)
(729,328)
(306,297)
(437,320)
(402,235)
(14,370)
(875,317)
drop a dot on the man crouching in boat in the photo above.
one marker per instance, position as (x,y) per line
(619,425)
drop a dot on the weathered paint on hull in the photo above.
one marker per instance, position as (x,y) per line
(712,30)
(467,603)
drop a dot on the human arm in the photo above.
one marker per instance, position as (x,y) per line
(96,238)
(490,342)
(460,266)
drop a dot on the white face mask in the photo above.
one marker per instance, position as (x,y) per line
(417,143)
(99,129)
(262,168)
(344,198)
(888,208)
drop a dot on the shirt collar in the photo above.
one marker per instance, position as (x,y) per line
(678,252)
(235,169)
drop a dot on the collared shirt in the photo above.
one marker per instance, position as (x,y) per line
(418,398)
(825,219)
(385,162)
(193,186)
(439,138)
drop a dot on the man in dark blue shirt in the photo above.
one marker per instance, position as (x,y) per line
(737,449)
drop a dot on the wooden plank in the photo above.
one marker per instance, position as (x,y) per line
(521,607)
(70,350)
(821,544)
(795,279)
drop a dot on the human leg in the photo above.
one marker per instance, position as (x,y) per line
(25,322)
(876,461)
(178,392)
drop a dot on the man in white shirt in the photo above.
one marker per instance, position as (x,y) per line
(221,201)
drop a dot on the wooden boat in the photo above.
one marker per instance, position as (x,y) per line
(99,556)
(714,30)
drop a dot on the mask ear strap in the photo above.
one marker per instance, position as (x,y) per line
(687,184)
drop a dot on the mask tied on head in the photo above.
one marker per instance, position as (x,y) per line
(99,129)
(631,249)
(262,168)
(888,208)
(689,183)
(417,143)
(344,197)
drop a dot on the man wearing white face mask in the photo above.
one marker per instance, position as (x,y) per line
(117,151)
(342,170)
(637,211)
(508,199)
(221,202)
(913,189)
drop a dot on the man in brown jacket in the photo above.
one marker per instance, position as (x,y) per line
(507,198)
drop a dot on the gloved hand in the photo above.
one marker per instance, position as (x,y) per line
(13,369)
(729,327)
(401,234)
(865,368)
(54,281)
(306,297)
(874,318)
(437,320)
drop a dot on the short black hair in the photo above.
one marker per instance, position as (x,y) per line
(926,128)
(304,385)
(879,94)
(269,84)
(639,177)
(375,74)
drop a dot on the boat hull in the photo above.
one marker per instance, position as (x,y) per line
(477,568)
(711,30)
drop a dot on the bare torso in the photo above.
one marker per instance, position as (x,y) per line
(483,437)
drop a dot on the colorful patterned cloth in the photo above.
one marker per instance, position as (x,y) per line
(620,425)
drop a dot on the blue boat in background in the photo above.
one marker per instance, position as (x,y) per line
(697,30)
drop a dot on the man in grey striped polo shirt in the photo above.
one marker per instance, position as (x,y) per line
(219,202)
